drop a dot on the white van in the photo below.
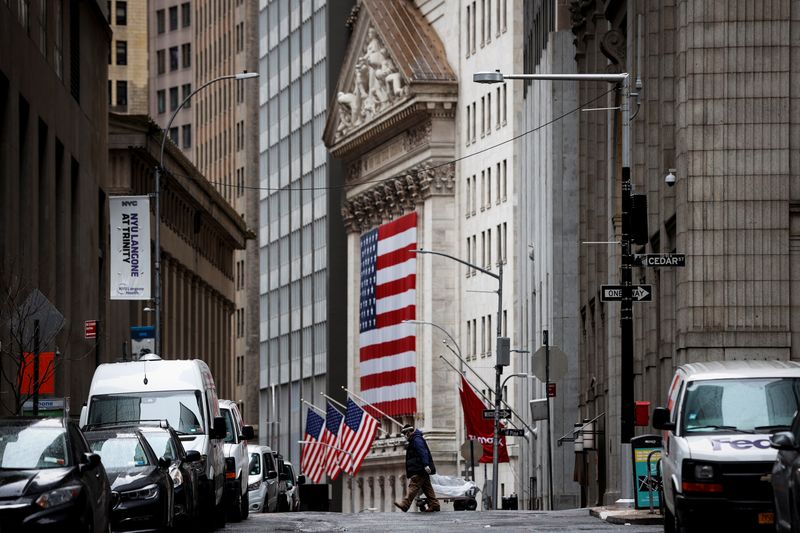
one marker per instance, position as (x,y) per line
(180,391)
(717,457)
(236,460)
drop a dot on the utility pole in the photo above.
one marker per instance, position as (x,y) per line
(36,349)
(546,339)
(626,275)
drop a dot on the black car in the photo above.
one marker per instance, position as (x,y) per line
(786,478)
(49,478)
(185,469)
(142,489)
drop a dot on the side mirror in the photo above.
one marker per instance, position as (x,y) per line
(661,419)
(272,474)
(783,440)
(247,433)
(301,479)
(163,462)
(219,430)
(192,456)
(90,460)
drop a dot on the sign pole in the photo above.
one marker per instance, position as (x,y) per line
(545,337)
(35,368)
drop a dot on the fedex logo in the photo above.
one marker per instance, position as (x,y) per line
(740,444)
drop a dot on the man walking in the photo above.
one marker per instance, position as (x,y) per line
(419,467)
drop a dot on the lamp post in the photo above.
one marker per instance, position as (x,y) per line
(626,308)
(502,357)
(157,195)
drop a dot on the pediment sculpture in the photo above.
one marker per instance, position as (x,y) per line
(376,86)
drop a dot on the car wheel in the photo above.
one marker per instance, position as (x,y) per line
(245,505)
(235,508)
(669,521)
(283,504)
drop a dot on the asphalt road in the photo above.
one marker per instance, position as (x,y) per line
(461,521)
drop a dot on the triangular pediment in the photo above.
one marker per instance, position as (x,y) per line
(392,57)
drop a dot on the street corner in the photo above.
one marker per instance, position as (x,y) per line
(626,516)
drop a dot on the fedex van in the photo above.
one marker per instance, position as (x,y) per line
(716,428)
(180,391)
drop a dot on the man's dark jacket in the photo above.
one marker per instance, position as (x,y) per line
(418,455)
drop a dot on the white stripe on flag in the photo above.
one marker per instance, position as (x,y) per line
(388,363)
(398,271)
(397,301)
(400,240)
(391,392)
(389,333)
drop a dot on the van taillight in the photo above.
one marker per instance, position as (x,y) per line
(702,487)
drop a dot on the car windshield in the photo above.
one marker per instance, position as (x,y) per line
(182,409)
(122,451)
(161,442)
(757,405)
(255,464)
(226,414)
(32,446)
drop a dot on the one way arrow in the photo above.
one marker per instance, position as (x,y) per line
(640,293)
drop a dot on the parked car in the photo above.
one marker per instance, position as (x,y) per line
(717,456)
(786,478)
(262,480)
(236,460)
(185,469)
(142,489)
(50,480)
(291,494)
(181,391)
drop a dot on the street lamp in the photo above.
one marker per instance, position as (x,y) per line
(440,328)
(502,358)
(626,305)
(157,195)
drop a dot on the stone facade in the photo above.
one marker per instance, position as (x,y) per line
(128,67)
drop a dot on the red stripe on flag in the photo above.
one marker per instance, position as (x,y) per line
(397,226)
(406,406)
(406,344)
(395,257)
(392,318)
(385,379)
(398,286)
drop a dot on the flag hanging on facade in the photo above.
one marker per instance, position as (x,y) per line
(333,426)
(477,427)
(312,456)
(358,433)
(387,351)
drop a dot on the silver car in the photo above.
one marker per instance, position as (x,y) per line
(262,483)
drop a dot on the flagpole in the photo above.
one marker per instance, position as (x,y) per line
(366,402)
(345,410)
(488,387)
(314,407)
(327,446)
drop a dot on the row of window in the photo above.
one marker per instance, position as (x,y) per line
(186,17)
(485,187)
(501,253)
(214,53)
(486,333)
(174,101)
(501,97)
(174,57)
(240,323)
(122,92)
(174,135)
(240,375)
(120,13)
(480,21)
(218,146)
(240,274)
(121,47)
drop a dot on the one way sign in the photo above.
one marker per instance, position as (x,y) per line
(613,293)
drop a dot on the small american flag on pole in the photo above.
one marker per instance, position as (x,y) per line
(387,346)
(333,426)
(312,457)
(358,433)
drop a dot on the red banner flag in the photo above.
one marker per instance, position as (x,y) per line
(478,428)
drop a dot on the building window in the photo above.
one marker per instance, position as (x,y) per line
(505,102)
(160,21)
(483,20)
(160,62)
(489,113)
(505,14)
(489,188)
(483,116)
(110,100)
(469,121)
(173,58)
(488,249)
(466,201)
(474,26)
(161,98)
(187,136)
(122,92)
(173,135)
(23,12)
(497,185)
(498,108)
(122,52)
(186,14)
(186,53)
(483,336)
(122,13)
(469,34)
(173,18)
(469,341)
(497,17)
(505,179)
(173,98)
(186,90)
(58,45)
(43,26)
(474,115)
(483,190)
(488,21)
(505,243)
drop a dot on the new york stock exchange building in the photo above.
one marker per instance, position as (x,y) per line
(392,123)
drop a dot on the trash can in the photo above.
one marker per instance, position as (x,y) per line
(510,503)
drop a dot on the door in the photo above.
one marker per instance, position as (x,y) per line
(92,477)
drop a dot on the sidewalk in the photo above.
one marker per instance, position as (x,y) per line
(616,514)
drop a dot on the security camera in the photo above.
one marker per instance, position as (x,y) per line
(670,178)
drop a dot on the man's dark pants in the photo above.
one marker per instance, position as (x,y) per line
(417,483)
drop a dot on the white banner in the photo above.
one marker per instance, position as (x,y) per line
(130,247)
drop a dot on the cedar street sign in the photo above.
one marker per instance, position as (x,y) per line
(512,432)
(613,293)
(660,260)
(488,414)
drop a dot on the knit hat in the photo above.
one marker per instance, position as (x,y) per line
(406,428)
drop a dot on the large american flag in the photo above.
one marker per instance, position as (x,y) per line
(312,456)
(331,433)
(358,433)
(388,296)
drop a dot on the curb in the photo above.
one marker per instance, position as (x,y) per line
(626,516)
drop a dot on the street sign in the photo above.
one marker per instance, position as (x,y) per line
(477,450)
(90,329)
(538,409)
(512,432)
(660,260)
(488,414)
(558,363)
(613,293)
(551,390)
(36,309)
